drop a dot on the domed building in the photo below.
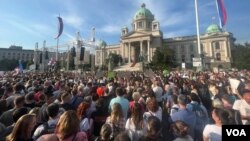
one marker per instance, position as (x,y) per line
(146,36)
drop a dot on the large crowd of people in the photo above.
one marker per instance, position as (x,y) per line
(132,106)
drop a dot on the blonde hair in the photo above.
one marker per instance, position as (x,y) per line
(136,96)
(20,129)
(68,124)
(116,113)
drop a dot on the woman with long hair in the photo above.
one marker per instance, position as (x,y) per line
(153,130)
(23,128)
(116,120)
(85,122)
(213,132)
(67,129)
(153,109)
(135,124)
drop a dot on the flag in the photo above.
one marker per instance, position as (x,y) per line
(221,12)
(60,27)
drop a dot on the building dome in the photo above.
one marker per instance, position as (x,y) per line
(102,44)
(143,12)
(213,28)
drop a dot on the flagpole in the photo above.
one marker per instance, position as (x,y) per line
(217,7)
(57,44)
(198,32)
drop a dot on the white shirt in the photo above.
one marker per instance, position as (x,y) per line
(244,108)
(213,132)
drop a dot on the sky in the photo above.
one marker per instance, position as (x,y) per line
(25,22)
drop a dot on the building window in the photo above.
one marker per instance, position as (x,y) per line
(191,57)
(191,48)
(183,58)
(217,45)
(202,48)
(148,24)
(154,26)
(218,57)
(139,25)
(182,49)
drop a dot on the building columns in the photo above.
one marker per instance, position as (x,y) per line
(129,53)
(148,51)
(141,53)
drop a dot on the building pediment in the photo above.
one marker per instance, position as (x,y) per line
(135,34)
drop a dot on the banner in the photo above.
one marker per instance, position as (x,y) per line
(60,27)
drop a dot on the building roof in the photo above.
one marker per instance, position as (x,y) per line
(143,12)
(213,28)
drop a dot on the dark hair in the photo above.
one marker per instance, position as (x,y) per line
(105,131)
(154,127)
(52,110)
(180,128)
(194,97)
(119,91)
(152,105)
(123,136)
(137,115)
(18,113)
(223,115)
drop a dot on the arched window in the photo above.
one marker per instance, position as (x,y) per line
(191,57)
(217,45)
(183,58)
(202,48)
(218,56)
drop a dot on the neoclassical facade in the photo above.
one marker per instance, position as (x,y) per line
(146,36)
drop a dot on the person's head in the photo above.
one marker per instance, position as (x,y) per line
(66,97)
(152,105)
(19,101)
(82,109)
(36,111)
(68,124)
(194,97)
(52,110)
(153,127)
(123,136)
(136,96)
(119,91)
(217,103)
(23,128)
(29,98)
(220,116)
(105,132)
(182,100)
(18,113)
(246,95)
(180,128)
(116,113)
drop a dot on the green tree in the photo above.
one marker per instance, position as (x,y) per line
(163,58)
(8,65)
(115,58)
(241,56)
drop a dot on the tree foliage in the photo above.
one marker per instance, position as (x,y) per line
(8,65)
(163,58)
(241,56)
(115,58)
